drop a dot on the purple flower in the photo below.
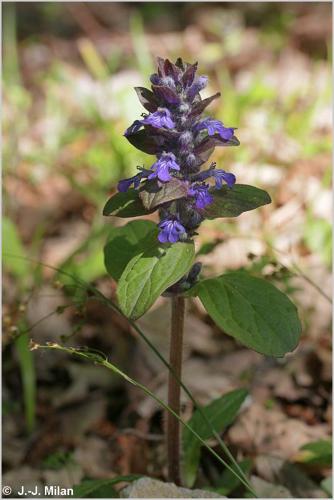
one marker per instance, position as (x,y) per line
(170,231)
(155,79)
(220,176)
(162,166)
(161,118)
(201,194)
(198,85)
(168,81)
(125,184)
(213,126)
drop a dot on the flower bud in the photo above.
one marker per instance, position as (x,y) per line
(191,161)
(168,80)
(194,272)
(197,86)
(184,108)
(186,138)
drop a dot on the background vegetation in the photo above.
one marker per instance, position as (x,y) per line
(69,71)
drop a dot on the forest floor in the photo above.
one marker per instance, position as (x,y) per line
(67,102)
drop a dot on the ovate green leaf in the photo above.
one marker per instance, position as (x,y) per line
(151,272)
(221,412)
(231,202)
(252,311)
(228,481)
(126,205)
(317,452)
(144,141)
(125,242)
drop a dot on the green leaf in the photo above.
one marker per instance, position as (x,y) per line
(126,242)
(151,272)
(327,485)
(153,195)
(318,453)
(126,205)
(58,460)
(318,237)
(229,481)
(12,247)
(252,311)
(231,202)
(221,412)
(100,488)
(145,142)
(209,246)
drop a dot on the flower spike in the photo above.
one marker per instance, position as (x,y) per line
(182,141)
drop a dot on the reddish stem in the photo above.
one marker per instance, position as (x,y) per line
(175,360)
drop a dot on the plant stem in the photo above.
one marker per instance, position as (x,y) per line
(108,303)
(97,358)
(174,389)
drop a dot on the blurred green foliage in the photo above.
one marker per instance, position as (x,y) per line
(65,115)
(58,460)
(12,247)
(327,486)
(228,482)
(83,113)
(317,452)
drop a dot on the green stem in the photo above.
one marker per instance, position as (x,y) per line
(174,389)
(104,362)
(99,296)
(240,475)
(244,480)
